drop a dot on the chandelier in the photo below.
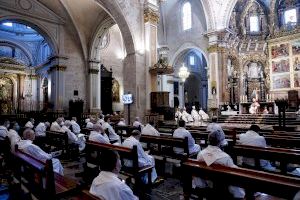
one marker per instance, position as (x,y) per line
(183,73)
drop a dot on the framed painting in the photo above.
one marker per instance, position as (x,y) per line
(280,50)
(297,79)
(280,66)
(281,81)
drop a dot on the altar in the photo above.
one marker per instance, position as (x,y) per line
(271,107)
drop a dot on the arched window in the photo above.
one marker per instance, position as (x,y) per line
(288,13)
(186,16)
(254,24)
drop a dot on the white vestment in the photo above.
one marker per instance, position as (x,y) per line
(150,130)
(29,125)
(214,155)
(74,139)
(113,136)
(254,139)
(56,127)
(40,129)
(98,137)
(138,124)
(14,138)
(203,115)
(195,115)
(178,115)
(89,125)
(75,127)
(182,133)
(216,127)
(36,152)
(187,116)
(108,186)
(3,132)
(143,158)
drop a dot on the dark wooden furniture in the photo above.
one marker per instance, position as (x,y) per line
(106,90)
(125,131)
(38,177)
(284,156)
(94,149)
(251,180)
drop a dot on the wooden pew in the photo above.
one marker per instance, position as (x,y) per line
(39,177)
(284,156)
(283,142)
(128,129)
(125,153)
(86,195)
(251,180)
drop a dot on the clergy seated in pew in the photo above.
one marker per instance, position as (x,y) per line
(98,135)
(215,126)
(100,120)
(75,128)
(289,159)
(112,135)
(91,167)
(143,158)
(252,138)
(5,124)
(40,129)
(254,182)
(89,123)
(28,147)
(214,155)
(30,123)
(138,124)
(149,129)
(181,132)
(107,185)
(74,139)
(13,135)
(57,125)
(36,176)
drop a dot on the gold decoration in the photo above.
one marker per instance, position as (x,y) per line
(216,48)
(151,16)
(161,67)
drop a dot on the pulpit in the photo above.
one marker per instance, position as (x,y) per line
(160,104)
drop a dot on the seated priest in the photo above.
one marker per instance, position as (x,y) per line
(40,129)
(89,123)
(122,123)
(212,154)
(149,129)
(215,126)
(98,134)
(178,114)
(143,158)
(74,139)
(186,116)
(28,147)
(30,123)
(13,135)
(113,136)
(75,126)
(107,185)
(138,124)
(57,125)
(203,115)
(181,132)
(3,129)
(195,115)
(101,119)
(252,138)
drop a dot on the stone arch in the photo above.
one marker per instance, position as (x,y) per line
(39,27)
(19,45)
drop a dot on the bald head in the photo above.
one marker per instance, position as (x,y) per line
(98,128)
(215,137)
(29,134)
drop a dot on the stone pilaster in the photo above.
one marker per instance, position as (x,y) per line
(57,87)
(94,86)
(21,82)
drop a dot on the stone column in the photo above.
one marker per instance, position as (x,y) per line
(94,86)
(57,87)
(34,92)
(151,17)
(21,81)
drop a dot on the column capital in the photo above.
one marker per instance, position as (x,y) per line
(151,15)
(57,68)
(33,76)
(93,71)
(215,48)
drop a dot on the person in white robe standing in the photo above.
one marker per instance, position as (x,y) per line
(36,152)
(143,158)
(195,115)
(40,129)
(75,126)
(30,123)
(181,132)
(101,119)
(138,124)
(149,129)
(57,125)
(3,129)
(212,154)
(107,185)
(113,136)
(252,138)
(98,135)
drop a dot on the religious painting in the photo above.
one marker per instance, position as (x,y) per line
(297,79)
(280,66)
(296,64)
(296,47)
(115,91)
(6,94)
(280,50)
(281,81)
(254,70)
